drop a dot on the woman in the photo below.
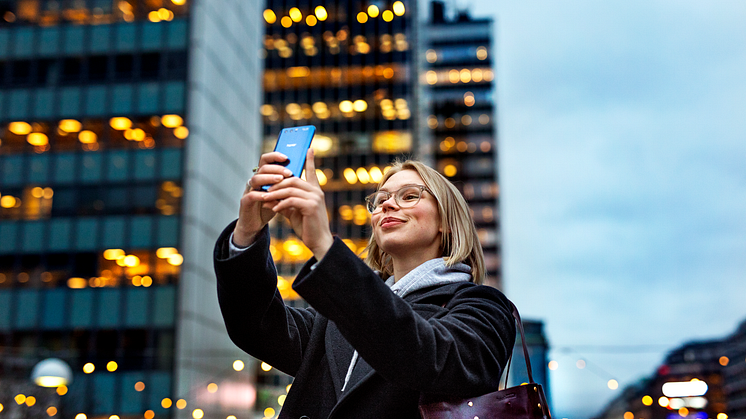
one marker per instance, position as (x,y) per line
(408,321)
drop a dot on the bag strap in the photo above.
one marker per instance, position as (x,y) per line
(517,318)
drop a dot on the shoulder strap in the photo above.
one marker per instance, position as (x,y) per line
(517,318)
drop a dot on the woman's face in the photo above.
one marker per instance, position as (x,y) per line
(408,231)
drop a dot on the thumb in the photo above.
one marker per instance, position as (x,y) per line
(311,168)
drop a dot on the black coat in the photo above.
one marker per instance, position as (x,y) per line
(451,339)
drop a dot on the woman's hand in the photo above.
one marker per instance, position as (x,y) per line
(255,212)
(302,202)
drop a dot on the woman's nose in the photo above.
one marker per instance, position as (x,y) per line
(389,203)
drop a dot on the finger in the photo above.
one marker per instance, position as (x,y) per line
(259,180)
(311,168)
(272,157)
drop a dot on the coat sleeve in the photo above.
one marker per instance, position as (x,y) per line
(255,316)
(461,353)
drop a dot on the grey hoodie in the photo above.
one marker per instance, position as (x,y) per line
(431,273)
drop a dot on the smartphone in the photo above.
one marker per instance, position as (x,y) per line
(294,143)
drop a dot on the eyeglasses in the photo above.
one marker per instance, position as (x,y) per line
(406,197)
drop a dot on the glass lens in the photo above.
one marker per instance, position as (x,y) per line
(408,196)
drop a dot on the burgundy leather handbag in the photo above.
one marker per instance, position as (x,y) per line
(526,401)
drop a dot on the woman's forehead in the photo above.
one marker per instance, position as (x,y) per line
(404,177)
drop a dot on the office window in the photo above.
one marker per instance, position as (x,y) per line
(39,168)
(43,104)
(6,298)
(2,103)
(33,236)
(9,233)
(132,400)
(137,307)
(76,399)
(70,102)
(74,36)
(85,234)
(174,97)
(141,230)
(171,163)
(91,168)
(54,308)
(27,308)
(81,308)
(164,306)
(59,234)
(100,38)
(24,42)
(177,34)
(104,396)
(147,101)
(116,198)
(12,171)
(117,168)
(168,232)
(122,99)
(114,231)
(125,37)
(4,42)
(49,41)
(160,388)
(20,100)
(145,165)
(152,35)
(64,168)
(95,104)
(108,307)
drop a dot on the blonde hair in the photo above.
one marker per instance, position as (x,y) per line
(459,241)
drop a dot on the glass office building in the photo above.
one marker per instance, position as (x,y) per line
(461,120)
(127,132)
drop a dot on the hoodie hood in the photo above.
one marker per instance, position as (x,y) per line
(431,273)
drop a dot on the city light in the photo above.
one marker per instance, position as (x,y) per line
(724,360)
(139,386)
(387,15)
(88,368)
(37,139)
(362,17)
(198,414)
(120,123)
(238,365)
(19,128)
(553,365)
(87,137)
(613,384)
(647,400)
(70,125)
(166,403)
(684,388)
(111,366)
(212,388)
(295,14)
(399,9)
(181,404)
(172,121)
(373,10)
(266,367)
(321,13)
(269,16)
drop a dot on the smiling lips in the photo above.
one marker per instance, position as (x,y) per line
(390,222)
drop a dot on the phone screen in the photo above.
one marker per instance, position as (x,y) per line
(294,143)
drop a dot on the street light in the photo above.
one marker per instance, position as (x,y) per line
(52,372)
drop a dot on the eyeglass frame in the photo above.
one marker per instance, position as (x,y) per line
(395,194)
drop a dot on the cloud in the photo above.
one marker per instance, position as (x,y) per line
(623,177)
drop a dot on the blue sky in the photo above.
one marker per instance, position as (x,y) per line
(623,179)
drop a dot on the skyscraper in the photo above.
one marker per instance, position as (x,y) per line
(460,117)
(127,132)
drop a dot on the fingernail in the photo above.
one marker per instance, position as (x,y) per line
(287,172)
(279,178)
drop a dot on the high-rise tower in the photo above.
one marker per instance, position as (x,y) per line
(127,131)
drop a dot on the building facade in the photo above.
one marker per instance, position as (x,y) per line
(127,132)
(459,114)
(709,381)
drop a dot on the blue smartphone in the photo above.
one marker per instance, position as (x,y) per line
(294,143)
